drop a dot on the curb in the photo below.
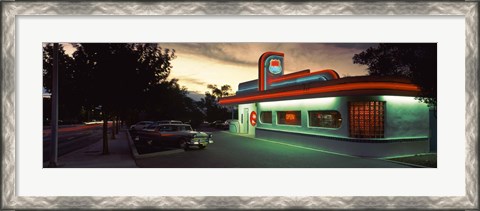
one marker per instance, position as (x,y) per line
(406,164)
(137,156)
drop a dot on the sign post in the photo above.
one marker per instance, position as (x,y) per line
(54,118)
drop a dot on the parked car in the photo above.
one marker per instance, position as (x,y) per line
(204,124)
(169,122)
(140,125)
(174,135)
(212,124)
(220,124)
(228,121)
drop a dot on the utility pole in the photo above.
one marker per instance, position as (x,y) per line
(54,118)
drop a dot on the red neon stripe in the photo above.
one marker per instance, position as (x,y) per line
(297,73)
(289,77)
(301,72)
(333,73)
(333,88)
(261,71)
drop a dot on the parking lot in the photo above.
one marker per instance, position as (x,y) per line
(238,151)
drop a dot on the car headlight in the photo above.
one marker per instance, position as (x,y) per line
(209,135)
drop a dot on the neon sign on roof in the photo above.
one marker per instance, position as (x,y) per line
(275,66)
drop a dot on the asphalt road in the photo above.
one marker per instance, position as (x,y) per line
(71,138)
(234,151)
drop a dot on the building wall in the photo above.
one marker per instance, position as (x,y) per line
(405,117)
(406,126)
(330,103)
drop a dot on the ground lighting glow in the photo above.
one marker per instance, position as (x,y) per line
(293,145)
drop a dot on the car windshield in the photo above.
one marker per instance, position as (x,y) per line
(152,126)
(165,128)
(183,128)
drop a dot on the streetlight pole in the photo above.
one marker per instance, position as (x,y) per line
(54,119)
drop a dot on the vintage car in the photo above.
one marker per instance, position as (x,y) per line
(141,125)
(220,124)
(173,135)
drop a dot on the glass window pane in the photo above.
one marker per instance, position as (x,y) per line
(328,119)
(266,117)
(289,117)
(366,119)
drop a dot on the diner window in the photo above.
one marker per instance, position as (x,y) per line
(289,117)
(328,119)
(266,117)
(366,119)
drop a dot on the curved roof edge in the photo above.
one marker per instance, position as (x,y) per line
(359,85)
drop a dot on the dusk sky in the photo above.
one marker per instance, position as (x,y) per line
(200,64)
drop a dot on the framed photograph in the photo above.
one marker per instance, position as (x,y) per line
(240,105)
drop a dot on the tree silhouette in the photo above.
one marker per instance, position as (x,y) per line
(223,91)
(70,91)
(123,74)
(168,100)
(126,81)
(416,61)
(114,76)
(213,110)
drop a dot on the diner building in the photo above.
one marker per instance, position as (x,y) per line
(368,116)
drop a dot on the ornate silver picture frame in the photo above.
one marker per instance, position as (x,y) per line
(11,10)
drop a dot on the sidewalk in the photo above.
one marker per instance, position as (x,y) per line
(422,160)
(120,155)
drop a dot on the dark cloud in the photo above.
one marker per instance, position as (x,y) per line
(225,52)
(248,53)
(358,46)
(191,80)
(298,56)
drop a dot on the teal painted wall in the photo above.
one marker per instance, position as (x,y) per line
(304,105)
(405,117)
